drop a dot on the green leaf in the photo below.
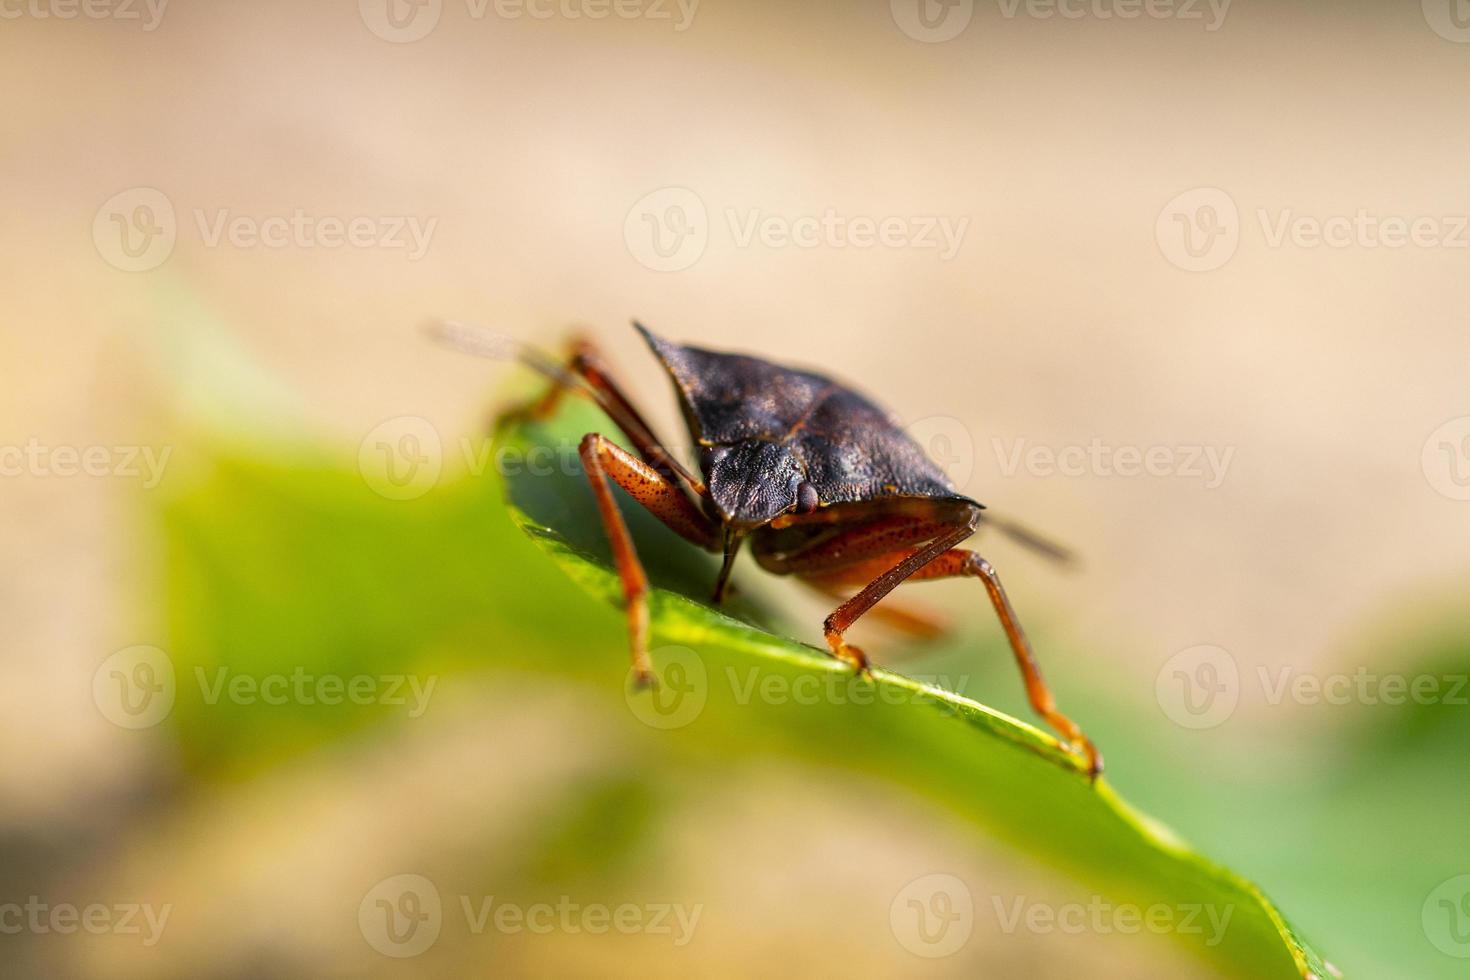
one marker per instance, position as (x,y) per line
(283,558)
(1002,774)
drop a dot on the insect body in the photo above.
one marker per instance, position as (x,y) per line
(822,482)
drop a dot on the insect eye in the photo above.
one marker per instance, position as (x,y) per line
(806,498)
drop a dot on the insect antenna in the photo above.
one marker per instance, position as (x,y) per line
(498,347)
(1030,539)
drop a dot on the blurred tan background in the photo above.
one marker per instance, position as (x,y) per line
(530,147)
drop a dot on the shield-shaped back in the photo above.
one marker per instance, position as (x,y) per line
(850,449)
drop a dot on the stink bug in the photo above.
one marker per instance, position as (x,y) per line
(823,483)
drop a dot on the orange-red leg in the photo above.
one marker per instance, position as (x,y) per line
(960,562)
(824,561)
(606,461)
(841,547)
(585,362)
(846,614)
(920,623)
(1037,692)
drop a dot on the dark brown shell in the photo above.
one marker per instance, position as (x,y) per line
(847,447)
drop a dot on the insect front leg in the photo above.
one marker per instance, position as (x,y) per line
(842,618)
(586,363)
(855,550)
(921,624)
(606,461)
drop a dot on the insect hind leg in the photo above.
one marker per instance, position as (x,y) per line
(959,563)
